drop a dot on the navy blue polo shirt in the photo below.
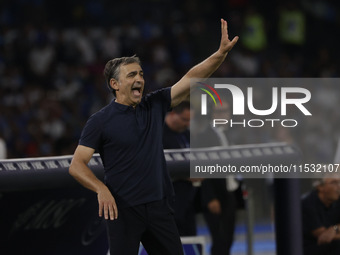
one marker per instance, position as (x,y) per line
(129,141)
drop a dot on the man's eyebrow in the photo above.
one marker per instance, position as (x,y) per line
(135,72)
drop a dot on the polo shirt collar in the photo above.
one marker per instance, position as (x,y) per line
(121,107)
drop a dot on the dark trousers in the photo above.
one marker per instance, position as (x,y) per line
(221,227)
(185,207)
(152,224)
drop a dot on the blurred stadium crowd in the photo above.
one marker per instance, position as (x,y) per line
(52,54)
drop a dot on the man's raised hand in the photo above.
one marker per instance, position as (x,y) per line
(226,45)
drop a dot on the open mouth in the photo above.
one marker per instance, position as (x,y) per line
(137,91)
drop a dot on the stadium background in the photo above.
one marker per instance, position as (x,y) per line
(52,54)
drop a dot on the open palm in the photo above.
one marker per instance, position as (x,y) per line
(226,45)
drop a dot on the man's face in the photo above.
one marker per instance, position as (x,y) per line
(129,88)
(222,111)
(331,189)
(181,121)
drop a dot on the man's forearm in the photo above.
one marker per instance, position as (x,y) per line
(207,67)
(83,174)
(107,204)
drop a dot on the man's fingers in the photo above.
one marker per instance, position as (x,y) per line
(107,204)
(226,44)
(234,41)
(113,212)
(101,205)
(115,209)
(110,211)
(106,209)
(226,27)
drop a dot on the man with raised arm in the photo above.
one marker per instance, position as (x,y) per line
(127,133)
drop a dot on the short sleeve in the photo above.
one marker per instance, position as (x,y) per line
(161,97)
(166,94)
(90,136)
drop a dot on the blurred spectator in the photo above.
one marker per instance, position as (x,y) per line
(292,24)
(41,57)
(220,197)
(321,218)
(254,37)
(176,136)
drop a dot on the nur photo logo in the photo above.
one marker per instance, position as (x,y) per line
(281,99)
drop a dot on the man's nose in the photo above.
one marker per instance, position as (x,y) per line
(139,78)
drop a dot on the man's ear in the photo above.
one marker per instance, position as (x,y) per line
(114,84)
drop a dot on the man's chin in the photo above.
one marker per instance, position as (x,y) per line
(137,100)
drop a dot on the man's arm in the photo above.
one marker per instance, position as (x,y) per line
(205,69)
(326,235)
(83,174)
